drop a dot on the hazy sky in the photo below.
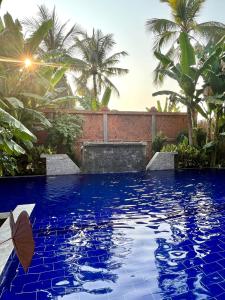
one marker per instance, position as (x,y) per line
(126,20)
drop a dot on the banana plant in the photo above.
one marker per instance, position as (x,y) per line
(25,91)
(15,137)
(91,103)
(169,106)
(15,77)
(13,134)
(214,96)
(187,74)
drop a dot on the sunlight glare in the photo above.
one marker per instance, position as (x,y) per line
(27,62)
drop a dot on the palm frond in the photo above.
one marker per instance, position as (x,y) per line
(106,97)
(37,37)
(58,37)
(115,58)
(158,76)
(108,83)
(115,71)
(193,8)
(159,26)
(213,31)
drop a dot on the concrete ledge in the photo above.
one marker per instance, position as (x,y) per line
(60,164)
(5,233)
(162,161)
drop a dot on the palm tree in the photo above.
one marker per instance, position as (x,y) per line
(58,44)
(98,64)
(184,19)
(59,38)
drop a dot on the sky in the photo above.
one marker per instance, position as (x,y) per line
(126,20)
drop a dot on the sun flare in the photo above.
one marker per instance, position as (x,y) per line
(27,62)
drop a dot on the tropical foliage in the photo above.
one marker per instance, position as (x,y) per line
(193,67)
(198,67)
(34,69)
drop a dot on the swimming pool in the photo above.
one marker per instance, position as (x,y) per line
(137,236)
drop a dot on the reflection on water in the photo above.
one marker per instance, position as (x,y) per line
(131,236)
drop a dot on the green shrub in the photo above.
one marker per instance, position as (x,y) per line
(188,156)
(169,148)
(8,164)
(31,163)
(181,136)
(65,130)
(158,142)
(200,136)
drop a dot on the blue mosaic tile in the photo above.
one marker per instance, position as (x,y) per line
(20,280)
(38,285)
(213,257)
(211,268)
(43,295)
(211,279)
(50,274)
(24,296)
(215,289)
(197,261)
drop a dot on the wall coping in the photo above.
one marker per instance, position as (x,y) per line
(113,144)
(86,112)
(111,140)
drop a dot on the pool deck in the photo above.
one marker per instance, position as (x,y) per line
(5,233)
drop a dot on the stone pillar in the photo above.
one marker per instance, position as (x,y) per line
(105,127)
(153,110)
(154,130)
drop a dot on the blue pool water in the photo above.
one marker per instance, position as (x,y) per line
(121,236)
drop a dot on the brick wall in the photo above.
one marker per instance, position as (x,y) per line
(124,126)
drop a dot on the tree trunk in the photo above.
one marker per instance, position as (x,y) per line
(190,127)
(209,129)
(194,116)
(95,87)
(215,139)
